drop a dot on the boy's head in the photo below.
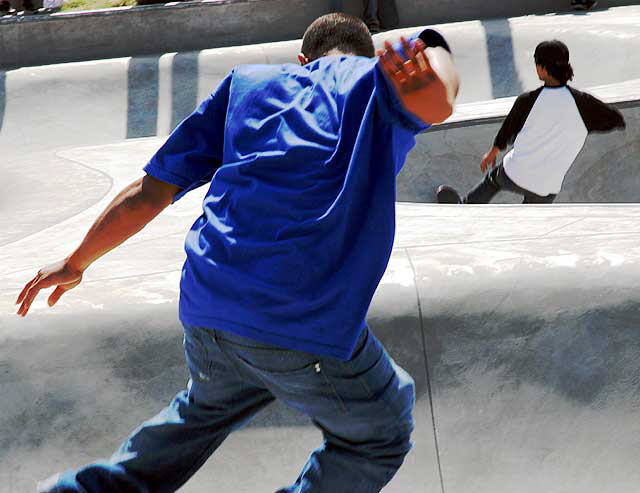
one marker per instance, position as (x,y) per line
(552,61)
(336,33)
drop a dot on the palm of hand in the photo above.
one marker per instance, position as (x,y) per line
(414,79)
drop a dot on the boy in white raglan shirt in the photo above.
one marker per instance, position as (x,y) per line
(548,128)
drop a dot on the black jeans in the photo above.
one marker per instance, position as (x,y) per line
(498,180)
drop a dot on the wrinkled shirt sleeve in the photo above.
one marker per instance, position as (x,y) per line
(194,150)
(391,107)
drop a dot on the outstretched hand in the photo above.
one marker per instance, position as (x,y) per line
(489,159)
(60,274)
(416,82)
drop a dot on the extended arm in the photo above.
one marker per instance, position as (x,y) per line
(510,128)
(597,115)
(130,211)
(426,80)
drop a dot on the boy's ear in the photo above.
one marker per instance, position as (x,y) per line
(303,59)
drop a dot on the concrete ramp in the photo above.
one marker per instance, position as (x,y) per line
(519,325)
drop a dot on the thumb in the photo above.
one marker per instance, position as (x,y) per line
(59,291)
(55,296)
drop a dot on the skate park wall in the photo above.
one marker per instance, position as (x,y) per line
(188,26)
(106,101)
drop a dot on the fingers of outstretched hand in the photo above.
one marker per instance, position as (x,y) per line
(393,64)
(387,64)
(29,296)
(26,289)
(32,289)
(421,57)
(57,293)
(414,71)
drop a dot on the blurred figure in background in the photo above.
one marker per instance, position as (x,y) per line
(380,15)
(583,4)
(6,9)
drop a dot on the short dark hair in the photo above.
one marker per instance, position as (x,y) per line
(338,31)
(554,57)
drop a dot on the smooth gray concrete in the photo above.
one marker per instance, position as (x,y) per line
(518,324)
(531,318)
(154,29)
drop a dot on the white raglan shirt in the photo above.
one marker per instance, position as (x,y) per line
(550,140)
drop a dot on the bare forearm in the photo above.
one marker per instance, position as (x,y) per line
(129,212)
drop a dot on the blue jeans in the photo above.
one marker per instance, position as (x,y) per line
(363,407)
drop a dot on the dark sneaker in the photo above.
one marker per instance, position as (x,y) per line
(447,195)
(583,4)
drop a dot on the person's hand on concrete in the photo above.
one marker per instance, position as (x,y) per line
(60,274)
(424,79)
(489,159)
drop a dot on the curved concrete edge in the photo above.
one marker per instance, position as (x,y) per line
(158,29)
(622,95)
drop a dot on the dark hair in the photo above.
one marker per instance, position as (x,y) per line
(554,57)
(337,31)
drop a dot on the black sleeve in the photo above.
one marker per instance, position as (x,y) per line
(597,115)
(515,119)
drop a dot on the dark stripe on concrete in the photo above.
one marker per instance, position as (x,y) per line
(142,97)
(184,86)
(505,80)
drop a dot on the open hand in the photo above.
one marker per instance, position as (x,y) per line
(488,159)
(60,274)
(415,81)
(411,74)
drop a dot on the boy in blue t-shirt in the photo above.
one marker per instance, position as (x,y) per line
(296,231)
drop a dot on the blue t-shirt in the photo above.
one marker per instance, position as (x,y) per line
(299,219)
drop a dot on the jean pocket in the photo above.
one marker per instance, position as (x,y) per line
(372,385)
(295,377)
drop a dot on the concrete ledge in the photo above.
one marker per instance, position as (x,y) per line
(188,26)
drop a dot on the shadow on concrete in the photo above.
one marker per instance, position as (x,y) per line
(142,97)
(583,357)
(184,86)
(3,96)
(505,80)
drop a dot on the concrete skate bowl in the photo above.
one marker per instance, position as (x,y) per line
(519,324)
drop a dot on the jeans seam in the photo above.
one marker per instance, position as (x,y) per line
(335,393)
